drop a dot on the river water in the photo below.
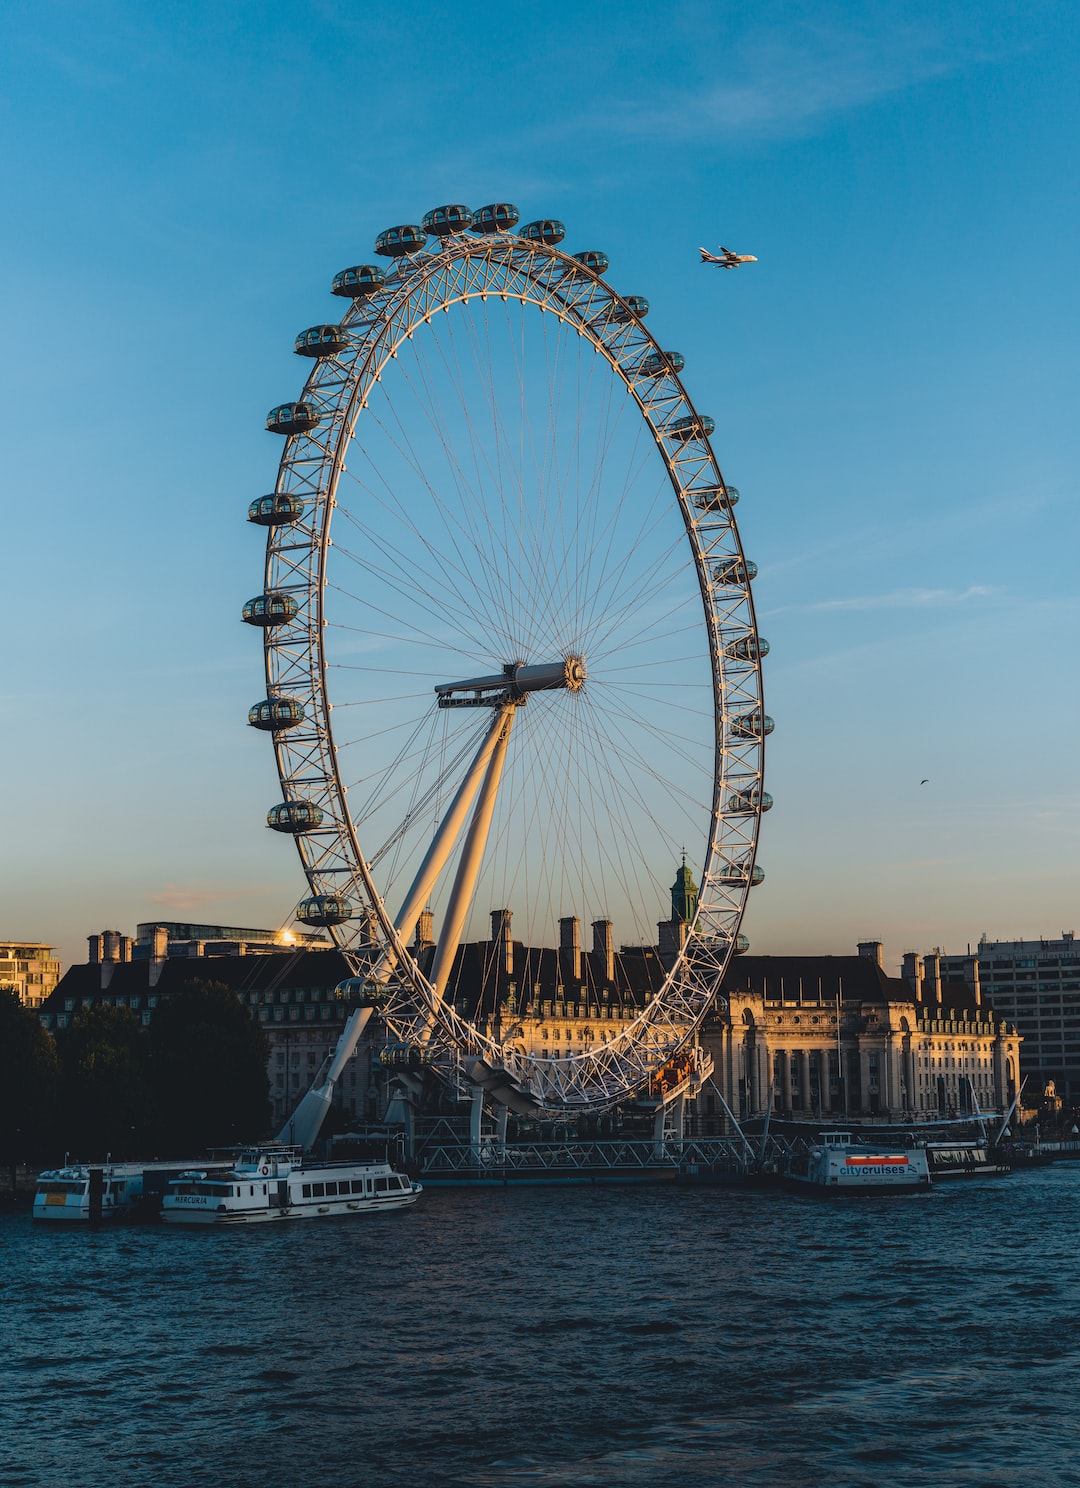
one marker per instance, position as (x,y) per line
(630,1337)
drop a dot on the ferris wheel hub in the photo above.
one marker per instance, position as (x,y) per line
(514,683)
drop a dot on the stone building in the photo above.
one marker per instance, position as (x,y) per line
(817,1038)
(838,1040)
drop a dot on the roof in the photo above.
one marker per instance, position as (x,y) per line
(815,979)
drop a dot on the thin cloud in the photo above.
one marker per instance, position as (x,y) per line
(905,599)
(777,84)
(188,898)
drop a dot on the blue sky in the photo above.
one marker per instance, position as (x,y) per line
(893,383)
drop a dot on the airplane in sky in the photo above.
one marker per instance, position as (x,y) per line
(725,259)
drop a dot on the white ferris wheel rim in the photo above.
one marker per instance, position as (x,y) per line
(466,269)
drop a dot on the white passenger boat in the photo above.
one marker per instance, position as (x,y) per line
(81,1192)
(280,1183)
(838,1165)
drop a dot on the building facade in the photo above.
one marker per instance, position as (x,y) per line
(29,969)
(834,1039)
(826,1039)
(1036,985)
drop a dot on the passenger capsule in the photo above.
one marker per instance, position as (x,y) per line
(294,817)
(354,283)
(270,609)
(496,218)
(275,510)
(360,992)
(696,426)
(292,418)
(593,259)
(659,362)
(747,648)
(276,713)
(443,222)
(321,341)
(714,498)
(636,307)
(406,1056)
(745,802)
(755,725)
(547,230)
(734,874)
(395,242)
(740,945)
(734,571)
(324,909)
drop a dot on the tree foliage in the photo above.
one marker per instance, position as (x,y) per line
(208,1062)
(27,1081)
(104,1099)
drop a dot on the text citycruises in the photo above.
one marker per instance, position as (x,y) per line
(838,1165)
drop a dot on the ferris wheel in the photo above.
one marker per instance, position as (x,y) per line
(522,675)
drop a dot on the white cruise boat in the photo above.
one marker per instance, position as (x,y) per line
(838,1165)
(80,1192)
(276,1183)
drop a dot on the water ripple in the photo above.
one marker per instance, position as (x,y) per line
(545,1338)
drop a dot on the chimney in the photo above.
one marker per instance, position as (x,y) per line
(425,929)
(604,945)
(932,977)
(111,945)
(569,949)
(912,973)
(872,950)
(500,939)
(94,954)
(125,948)
(971,976)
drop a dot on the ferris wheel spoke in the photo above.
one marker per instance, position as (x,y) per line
(454,577)
(663,736)
(457,531)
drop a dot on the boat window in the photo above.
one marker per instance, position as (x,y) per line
(318,1190)
(251,1189)
(306,1191)
(331,1190)
(358,1185)
(381,1185)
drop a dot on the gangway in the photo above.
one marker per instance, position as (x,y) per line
(448,1161)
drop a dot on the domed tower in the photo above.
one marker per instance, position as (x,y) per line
(684,895)
(684,902)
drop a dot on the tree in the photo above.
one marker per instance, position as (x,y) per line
(27,1081)
(208,1061)
(103,1083)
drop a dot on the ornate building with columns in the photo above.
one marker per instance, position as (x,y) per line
(835,1039)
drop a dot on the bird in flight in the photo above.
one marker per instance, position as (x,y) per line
(726,259)
(925,782)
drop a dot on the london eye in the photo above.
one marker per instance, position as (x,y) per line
(512,664)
